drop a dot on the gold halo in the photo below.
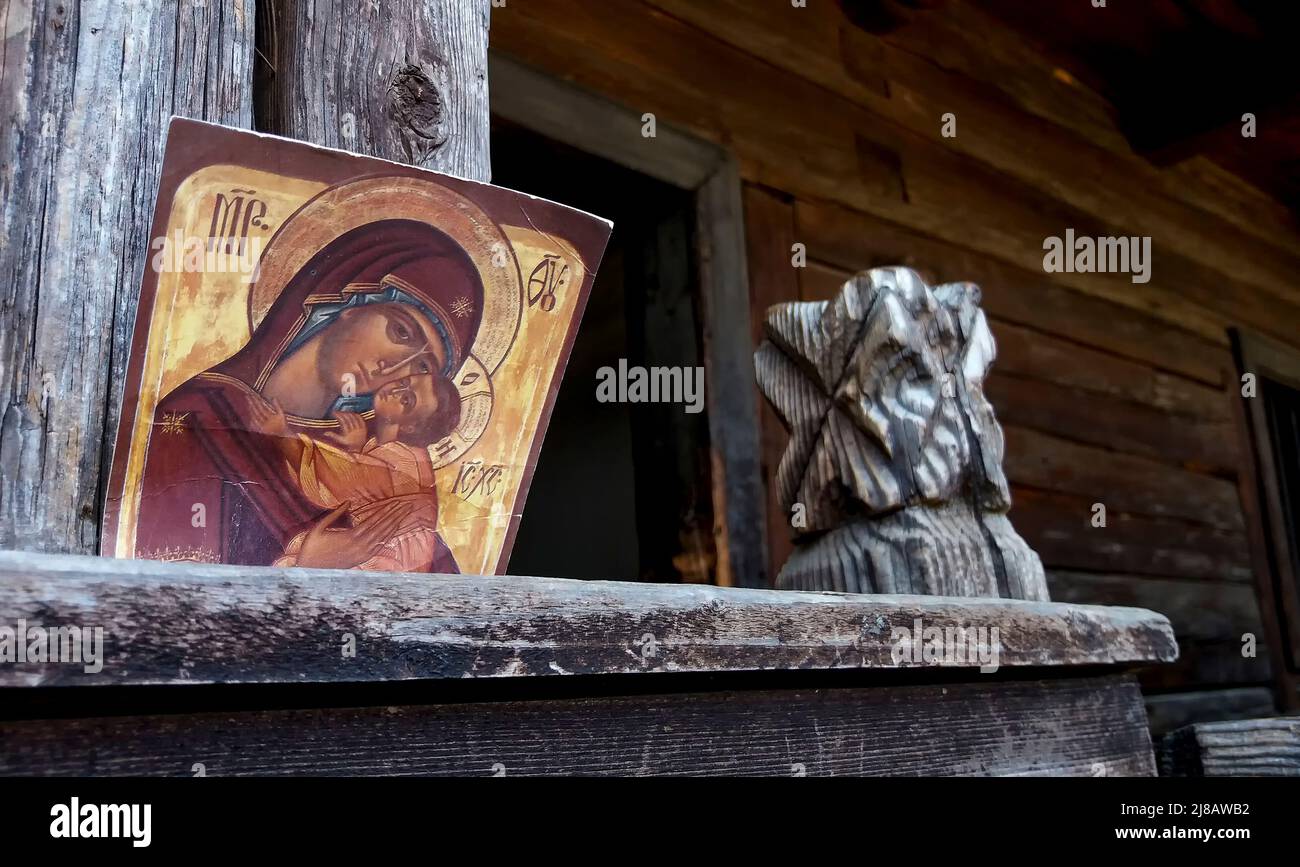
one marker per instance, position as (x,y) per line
(337,210)
(474,385)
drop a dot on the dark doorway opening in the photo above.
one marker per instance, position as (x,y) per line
(621,490)
(1282,412)
(1269,413)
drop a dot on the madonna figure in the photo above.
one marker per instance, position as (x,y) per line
(310,445)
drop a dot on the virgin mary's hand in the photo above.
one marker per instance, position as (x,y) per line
(330,547)
(266,416)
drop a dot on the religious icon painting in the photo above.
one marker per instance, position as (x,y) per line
(338,361)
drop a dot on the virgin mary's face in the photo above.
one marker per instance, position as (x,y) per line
(369,347)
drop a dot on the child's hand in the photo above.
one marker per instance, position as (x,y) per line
(267,417)
(352,434)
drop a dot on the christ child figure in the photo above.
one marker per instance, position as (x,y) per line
(381,475)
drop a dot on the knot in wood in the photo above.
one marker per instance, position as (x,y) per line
(417,103)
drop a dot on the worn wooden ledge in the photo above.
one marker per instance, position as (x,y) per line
(167,623)
(1090,726)
(1267,747)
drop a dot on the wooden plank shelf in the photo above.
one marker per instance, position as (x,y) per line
(1268,747)
(1091,726)
(225,670)
(169,623)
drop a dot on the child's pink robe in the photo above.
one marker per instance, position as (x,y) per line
(374,477)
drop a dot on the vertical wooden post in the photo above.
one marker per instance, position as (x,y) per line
(405,80)
(769,240)
(739,515)
(86,90)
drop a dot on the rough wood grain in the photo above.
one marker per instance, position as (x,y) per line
(86,90)
(732,404)
(1175,710)
(576,117)
(1196,444)
(1210,619)
(1060,527)
(893,474)
(185,624)
(769,236)
(1137,195)
(1070,727)
(1235,748)
(852,241)
(830,148)
(404,80)
(1050,349)
(1125,483)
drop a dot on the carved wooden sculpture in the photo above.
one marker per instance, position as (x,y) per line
(893,474)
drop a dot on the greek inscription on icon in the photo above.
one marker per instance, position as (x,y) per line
(477,479)
(550,274)
(232,218)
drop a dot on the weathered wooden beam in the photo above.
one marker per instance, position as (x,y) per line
(1238,748)
(171,623)
(1067,727)
(837,151)
(404,80)
(852,240)
(86,90)
(769,237)
(564,113)
(740,527)
(1174,710)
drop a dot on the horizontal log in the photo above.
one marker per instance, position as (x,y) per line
(1060,529)
(1200,445)
(1197,610)
(1210,618)
(1234,748)
(979,49)
(1125,483)
(1174,710)
(991,129)
(1209,664)
(852,240)
(169,623)
(1057,356)
(818,42)
(1071,727)
(829,147)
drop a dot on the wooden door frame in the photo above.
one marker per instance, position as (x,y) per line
(1272,562)
(575,117)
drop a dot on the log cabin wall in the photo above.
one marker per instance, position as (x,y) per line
(1109,391)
